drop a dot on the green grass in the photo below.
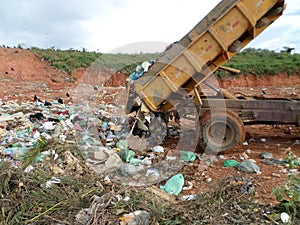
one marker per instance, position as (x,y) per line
(264,62)
(67,60)
(288,195)
(70,60)
(249,61)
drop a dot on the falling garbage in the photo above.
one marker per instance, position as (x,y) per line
(140,70)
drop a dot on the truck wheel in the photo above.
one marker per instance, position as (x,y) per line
(220,130)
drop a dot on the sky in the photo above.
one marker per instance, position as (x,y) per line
(123,25)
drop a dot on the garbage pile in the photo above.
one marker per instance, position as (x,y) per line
(23,126)
(104,137)
(108,147)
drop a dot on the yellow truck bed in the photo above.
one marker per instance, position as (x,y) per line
(230,26)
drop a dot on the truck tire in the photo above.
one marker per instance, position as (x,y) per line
(220,130)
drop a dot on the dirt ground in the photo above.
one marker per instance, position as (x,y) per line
(278,141)
(23,74)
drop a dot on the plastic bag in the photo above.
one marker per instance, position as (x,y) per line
(126,155)
(187,156)
(230,163)
(174,185)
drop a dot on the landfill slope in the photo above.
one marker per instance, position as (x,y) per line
(31,81)
(23,72)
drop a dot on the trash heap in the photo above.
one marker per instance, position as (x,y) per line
(103,136)
(27,125)
(108,147)
(112,150)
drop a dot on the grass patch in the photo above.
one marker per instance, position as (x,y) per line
(70,60)
(67,60)
(250,61)
(26,201)
(288,196)
(260,62)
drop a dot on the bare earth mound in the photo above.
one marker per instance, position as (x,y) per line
(23,74)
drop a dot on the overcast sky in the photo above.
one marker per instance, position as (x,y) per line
(115,25)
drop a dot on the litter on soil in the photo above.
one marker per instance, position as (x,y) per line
(64,163)
(51,147)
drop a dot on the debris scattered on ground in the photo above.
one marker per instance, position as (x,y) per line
(75,154)
(285,218)
(174,185)
(265,155)
(273,161)
(158,149)
(230,163)
(245,143)
(136,218)
(187,156)
(263,140)
(248,167)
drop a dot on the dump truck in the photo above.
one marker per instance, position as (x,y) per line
(176,76)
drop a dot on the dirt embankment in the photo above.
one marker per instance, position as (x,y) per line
(24,73)
(261,81)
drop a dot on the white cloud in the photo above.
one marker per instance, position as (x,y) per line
(110,24)
(156,20)
(283,32)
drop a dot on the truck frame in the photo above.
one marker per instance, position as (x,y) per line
(187,64)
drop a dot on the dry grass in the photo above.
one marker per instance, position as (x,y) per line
(25,201)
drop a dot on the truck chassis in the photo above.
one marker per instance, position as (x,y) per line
(191,61)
